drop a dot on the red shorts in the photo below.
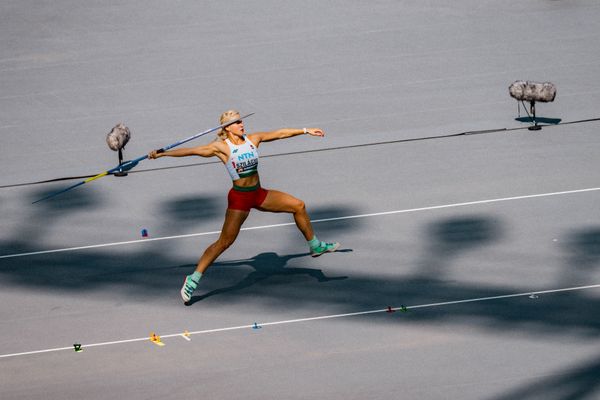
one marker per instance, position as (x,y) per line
(246,199)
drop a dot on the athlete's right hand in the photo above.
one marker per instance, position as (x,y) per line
(154,154)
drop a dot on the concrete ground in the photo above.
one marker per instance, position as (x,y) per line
(490,241)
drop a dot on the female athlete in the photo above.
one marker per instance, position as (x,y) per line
(238,152)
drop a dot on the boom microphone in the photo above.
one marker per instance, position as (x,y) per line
(118,137)
(544,92)
(533,92)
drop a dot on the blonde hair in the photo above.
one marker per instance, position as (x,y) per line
(229,115)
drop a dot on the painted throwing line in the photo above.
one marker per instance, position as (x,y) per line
(411,210)
(186,335)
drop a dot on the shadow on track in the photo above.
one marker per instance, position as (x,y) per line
(267,265)
(192,210)
(302,282)
(581,256)
(449,238)
(576,383)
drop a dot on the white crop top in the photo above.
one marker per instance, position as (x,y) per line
(243,159)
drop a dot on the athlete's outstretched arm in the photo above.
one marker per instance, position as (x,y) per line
(283,134)
(208,150)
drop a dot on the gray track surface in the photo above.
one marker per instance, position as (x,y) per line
(365,72)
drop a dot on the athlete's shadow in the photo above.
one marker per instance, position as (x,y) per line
(265,266)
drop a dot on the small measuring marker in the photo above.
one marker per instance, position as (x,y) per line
(154,338)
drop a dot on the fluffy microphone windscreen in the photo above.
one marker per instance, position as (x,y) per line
(544,92)
(118,137)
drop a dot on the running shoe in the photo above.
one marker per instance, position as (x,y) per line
(324,247)
(189,285)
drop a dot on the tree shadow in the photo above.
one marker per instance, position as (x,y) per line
(577,383)
(145,273)
(142,274)
(193,209)
(64,204)
(267,265)
(449,238)
(38,222)
(582,249)
(321,217)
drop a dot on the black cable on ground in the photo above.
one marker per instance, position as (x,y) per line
(387,142)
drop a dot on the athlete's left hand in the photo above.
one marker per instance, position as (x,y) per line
(315,132)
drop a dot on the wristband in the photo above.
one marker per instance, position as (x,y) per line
(305,130)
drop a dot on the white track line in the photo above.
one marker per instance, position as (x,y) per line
(324,317)
(470,203)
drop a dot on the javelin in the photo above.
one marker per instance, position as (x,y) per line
(127,165)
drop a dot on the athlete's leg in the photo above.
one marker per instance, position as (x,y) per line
(282,202)
(231,227)
(277,201)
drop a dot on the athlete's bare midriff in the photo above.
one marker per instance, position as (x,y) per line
(248,181)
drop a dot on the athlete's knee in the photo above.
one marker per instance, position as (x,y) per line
(298,206)
(223,243)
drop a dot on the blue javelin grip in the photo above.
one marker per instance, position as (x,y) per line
(128,165)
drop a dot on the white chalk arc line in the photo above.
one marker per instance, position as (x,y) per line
(309,319)
(410,210)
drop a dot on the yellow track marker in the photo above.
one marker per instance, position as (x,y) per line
(154,338)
